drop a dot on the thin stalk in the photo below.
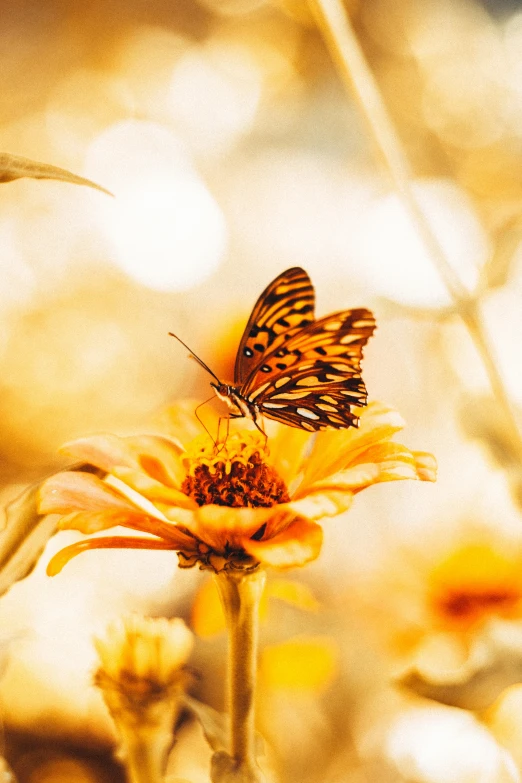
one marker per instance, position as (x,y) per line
(240,596)
(145,755)
(335,25)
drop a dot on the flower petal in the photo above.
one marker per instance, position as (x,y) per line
(299,544)
(153,455)
(291,592)
(386,462)
(287,447)
(323,502)
(153,490)
(207,618)
(90,505)
(221,526)
(61,558)
(425,465)
(333,450)
(302,663)
(71,491)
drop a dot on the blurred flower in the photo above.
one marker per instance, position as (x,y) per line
(142,678)
(136,648)
(451,612)
(228,508)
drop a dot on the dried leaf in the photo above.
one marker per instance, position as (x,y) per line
(215,725)
(15,167)
(24,535)
(23,539)
(495,664)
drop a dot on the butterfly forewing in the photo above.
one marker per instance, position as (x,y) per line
(334,342)
(284,308)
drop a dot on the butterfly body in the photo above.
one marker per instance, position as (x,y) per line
(294,369)
(238,405)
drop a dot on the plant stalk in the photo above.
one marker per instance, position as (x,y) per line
(346,52)
(240,595)
(144,754)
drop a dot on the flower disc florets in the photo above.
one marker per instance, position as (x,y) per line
(234,475)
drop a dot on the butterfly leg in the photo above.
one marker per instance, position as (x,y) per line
(220,443)
(201,420)
(261,430)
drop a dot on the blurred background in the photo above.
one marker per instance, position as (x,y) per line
(234,152)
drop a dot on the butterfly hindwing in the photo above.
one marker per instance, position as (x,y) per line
(284,308)
(325,404)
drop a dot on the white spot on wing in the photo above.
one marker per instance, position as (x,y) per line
(307,414)
(297,393)
(313,380)
(258,391)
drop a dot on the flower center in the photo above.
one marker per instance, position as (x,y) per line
(236,475)
(466,607)
(474,583)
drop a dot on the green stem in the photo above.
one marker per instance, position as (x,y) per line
(240,595)
(345,49)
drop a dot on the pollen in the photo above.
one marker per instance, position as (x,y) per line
(236,474)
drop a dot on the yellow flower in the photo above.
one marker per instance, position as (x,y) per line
(436,601)
(232,507)
(141,658)
(142,678)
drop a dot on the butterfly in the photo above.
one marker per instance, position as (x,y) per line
(294,369)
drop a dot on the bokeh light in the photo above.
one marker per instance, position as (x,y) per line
(167,229)
(393,254)
(214,93)
(434,745)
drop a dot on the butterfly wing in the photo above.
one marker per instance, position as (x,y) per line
(285,307)
(314,378)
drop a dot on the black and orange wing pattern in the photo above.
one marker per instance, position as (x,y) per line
(284,308)
(312,378)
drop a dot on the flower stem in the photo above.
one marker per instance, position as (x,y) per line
(240,595)
(145,756)
(335,25)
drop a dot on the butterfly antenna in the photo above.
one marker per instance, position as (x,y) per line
(199,361)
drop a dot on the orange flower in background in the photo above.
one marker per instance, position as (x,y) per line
(437,602)
(230,508)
